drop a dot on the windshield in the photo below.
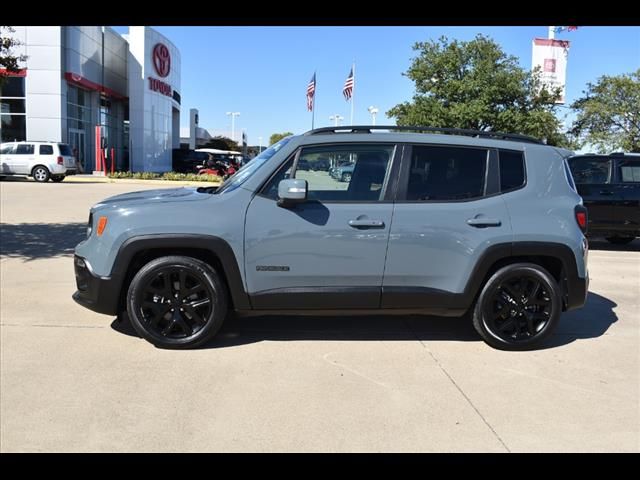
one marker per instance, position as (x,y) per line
(252,167)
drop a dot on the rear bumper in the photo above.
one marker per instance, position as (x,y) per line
(577,291)
(71,171)
(100,294)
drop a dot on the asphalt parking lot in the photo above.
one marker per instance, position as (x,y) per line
(72,380)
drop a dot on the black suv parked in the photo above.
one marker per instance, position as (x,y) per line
(186,161)
(610,188)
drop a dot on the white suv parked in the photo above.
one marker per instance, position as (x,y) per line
(40,160)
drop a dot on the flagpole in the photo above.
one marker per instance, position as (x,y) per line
(313,105)
(353,91)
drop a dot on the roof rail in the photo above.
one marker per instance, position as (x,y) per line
(622,154)
(403,128)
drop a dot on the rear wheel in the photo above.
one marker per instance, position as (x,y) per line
(41,174)
(177,302)
(346,177)
(620,240)
(518,307)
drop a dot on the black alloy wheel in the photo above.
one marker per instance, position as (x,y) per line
(519,307)
(177,302)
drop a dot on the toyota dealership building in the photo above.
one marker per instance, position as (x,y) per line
(93,88)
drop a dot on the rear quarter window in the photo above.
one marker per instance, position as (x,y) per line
(46,150)
(512,170)
(65,150)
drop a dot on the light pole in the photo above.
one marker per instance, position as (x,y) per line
(233,124)
(336,118)
(373,111)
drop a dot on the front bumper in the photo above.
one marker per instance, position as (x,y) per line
(100,294)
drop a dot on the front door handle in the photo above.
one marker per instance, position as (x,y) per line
(366,223)
(606,192)
(484,222)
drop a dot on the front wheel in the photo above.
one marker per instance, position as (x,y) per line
(620,240)
(518,307)
(41,174)
(346,177)
(177,302)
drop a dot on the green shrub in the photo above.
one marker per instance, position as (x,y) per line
(189,177)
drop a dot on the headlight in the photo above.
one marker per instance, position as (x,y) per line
(90,225)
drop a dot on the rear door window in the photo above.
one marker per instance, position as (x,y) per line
(630,171)
(440,173)
(24,149)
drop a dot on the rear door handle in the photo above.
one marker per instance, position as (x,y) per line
(606,192)
(484,222)
(366,223)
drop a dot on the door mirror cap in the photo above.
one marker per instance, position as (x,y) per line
(291,192)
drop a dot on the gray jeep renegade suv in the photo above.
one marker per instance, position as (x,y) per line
(441,223)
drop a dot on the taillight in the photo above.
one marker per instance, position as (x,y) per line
(60,161)
(582,217)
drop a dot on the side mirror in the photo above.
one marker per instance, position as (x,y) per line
(291,192)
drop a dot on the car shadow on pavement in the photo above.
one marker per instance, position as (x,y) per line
(32,241)
(602,244)
(590,322)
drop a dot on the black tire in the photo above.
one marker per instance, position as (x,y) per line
(620,240)
(41,174)
(57,178)
(531,316)
(155,305)
(346,177)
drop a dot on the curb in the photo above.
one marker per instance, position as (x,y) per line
(134,181)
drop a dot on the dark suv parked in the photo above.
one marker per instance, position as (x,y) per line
(610,188)
(186,161)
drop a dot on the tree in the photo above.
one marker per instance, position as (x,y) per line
(276,137)
(222,143)
(475,85)
(8,60)
(608,115)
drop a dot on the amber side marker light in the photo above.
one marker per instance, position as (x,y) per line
(102,224)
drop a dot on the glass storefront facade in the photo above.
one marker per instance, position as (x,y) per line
(12,109)
(79,79)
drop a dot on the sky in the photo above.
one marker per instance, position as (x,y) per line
(263,72)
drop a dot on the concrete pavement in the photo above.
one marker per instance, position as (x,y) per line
(72,380)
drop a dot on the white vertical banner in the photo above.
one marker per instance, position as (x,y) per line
(551,56)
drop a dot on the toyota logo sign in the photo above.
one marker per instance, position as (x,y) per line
(161,59)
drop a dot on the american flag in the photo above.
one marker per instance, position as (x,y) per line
(311,91)
(347,90)
(562,29)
